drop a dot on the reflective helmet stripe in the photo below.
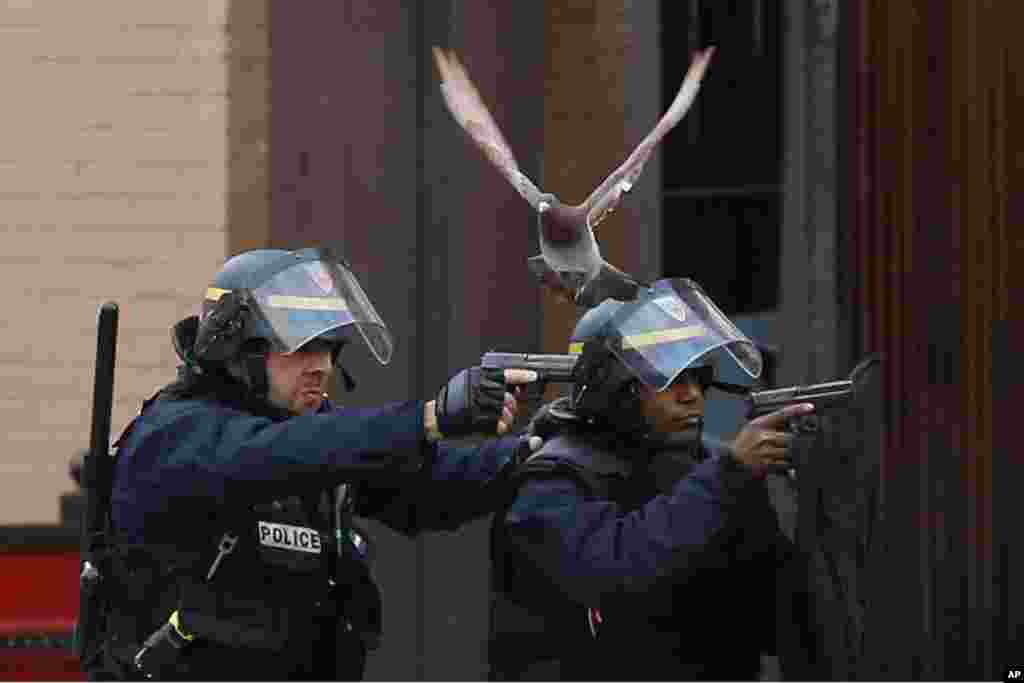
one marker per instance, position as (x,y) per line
(634,341)
(309,303)
(215,293)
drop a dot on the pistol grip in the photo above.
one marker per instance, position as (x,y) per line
(530,399)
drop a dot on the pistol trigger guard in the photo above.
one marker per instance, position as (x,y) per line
(803,424)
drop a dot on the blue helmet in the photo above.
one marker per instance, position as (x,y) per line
(670,327)
(277,300)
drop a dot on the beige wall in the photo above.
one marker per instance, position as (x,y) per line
(114,158)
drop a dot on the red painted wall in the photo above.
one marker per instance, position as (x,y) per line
(38,595)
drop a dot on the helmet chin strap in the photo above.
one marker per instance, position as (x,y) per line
(183,336)
(349,380)
(251,370)
(729,388)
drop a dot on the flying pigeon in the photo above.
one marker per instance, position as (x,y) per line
(570,261)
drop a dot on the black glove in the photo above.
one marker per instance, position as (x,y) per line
(471,402)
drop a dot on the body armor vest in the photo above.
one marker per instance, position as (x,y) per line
(552,643)
(272,591)
(705,625)
(286,583)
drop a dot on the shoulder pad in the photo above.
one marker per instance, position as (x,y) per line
(577,458)
(575,451)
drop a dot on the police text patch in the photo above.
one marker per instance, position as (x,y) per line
(288,537)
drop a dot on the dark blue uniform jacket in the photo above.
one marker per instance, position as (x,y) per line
(183,461)
(656,577)
(592,549)
(195,465)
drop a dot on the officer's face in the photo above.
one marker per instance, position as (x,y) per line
(676,409)
(298,380)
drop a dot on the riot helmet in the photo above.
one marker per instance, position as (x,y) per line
(272,300)
(671,327)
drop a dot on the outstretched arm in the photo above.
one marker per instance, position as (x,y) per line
(593,552)
(462,482)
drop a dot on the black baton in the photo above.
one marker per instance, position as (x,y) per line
(96,480)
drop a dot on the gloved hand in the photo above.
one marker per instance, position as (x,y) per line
(475,401)
(76,465)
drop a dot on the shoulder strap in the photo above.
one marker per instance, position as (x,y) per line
(585,462)
(590,467)
(131,425)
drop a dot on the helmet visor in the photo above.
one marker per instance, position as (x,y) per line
(315,297)
(674,328)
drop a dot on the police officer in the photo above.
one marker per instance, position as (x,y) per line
(613,561)
(234,555)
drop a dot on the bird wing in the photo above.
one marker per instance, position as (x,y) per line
(468,109)
(606,197)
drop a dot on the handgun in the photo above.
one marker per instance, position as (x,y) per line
(826,397)
(550,367)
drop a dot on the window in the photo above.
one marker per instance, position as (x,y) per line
(722,168)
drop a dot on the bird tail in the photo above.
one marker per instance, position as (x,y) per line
(609,283)
(564,285)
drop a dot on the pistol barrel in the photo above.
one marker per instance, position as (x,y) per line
(549,367)
(821,395)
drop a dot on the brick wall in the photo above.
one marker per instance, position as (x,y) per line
(123,152)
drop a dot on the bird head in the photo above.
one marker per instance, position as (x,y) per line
(557,223)
(546,202)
